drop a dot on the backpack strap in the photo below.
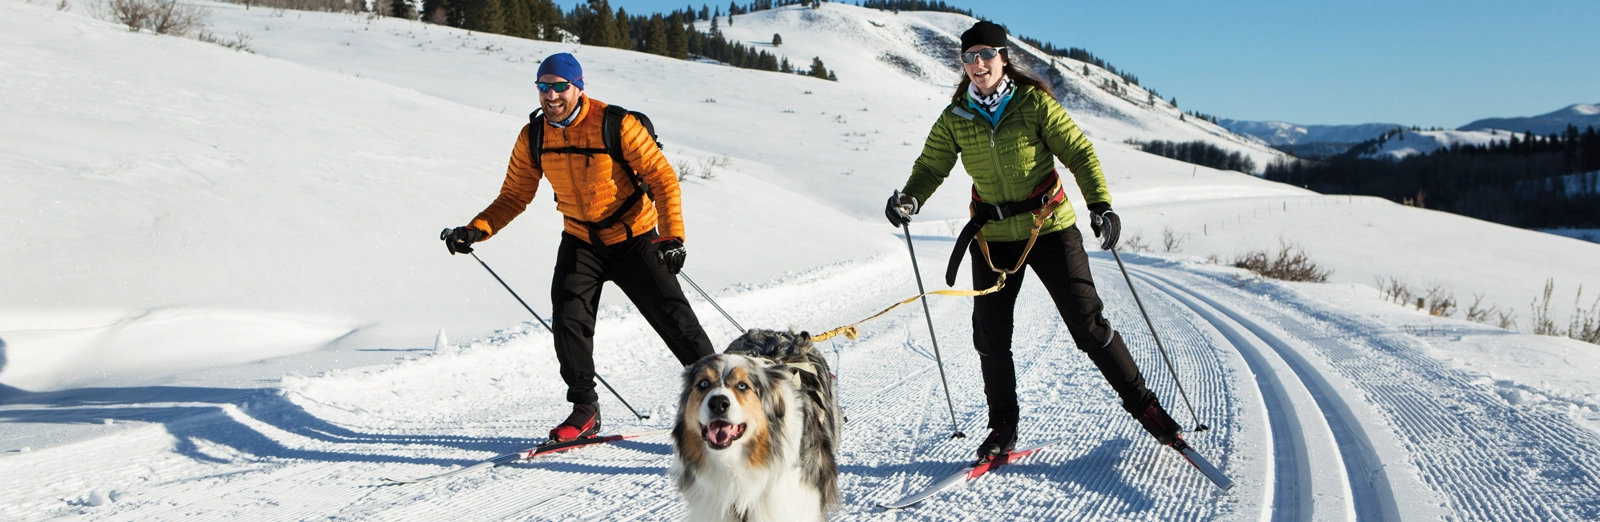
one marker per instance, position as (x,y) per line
(611,136)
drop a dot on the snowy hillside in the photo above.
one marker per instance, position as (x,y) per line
(1580,115)
(224,295)
(882,49)
(1408,143)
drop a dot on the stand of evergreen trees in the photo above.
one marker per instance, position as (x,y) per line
(1525,181)
(914,5)
(594,23)
(1201,153)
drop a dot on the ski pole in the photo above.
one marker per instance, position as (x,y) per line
(553,332)
(685,276)
(929,315)
(1198,427)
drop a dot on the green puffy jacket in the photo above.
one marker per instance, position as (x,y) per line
(1008,161)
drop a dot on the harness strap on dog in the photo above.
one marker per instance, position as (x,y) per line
(1041,203)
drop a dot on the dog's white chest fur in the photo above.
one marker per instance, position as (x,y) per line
(757,432)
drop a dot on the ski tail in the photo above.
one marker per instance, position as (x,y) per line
(965,475)
(525,454)
(1201,463)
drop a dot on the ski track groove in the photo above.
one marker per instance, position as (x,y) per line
(1534,459)
(1459,438)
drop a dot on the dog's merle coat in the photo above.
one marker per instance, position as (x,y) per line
(770,377)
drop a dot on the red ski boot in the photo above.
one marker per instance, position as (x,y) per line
(583,422)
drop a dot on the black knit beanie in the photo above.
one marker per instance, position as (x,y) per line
(984,33)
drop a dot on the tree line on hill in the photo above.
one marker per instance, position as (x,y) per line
(1527,181)
(595,23)
(1201,153)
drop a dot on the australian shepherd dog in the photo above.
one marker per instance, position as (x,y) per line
(758,432)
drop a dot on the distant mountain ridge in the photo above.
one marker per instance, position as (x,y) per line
(1279,133)
(1285,135)
(1581,115)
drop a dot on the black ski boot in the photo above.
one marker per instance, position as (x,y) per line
(1160,425)
(1002,439)
(583,422)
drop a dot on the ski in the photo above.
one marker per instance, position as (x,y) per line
(966,475)
(525,454)
(1200,463)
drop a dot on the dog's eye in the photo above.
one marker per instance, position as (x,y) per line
(704,383)
(744,387)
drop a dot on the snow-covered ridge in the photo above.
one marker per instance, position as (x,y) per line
(1278,133)
(1409,143)
(1580,115)
(874,47)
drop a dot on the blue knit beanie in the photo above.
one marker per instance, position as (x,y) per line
(563,65)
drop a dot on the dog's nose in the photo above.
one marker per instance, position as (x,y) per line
(718,404)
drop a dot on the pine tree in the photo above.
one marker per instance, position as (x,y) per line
(401,9)
(677,40)
(519,19)
(624,38)
(656,43)
(784,66)
(596,24)
(777,41)
(817,69)
(485,16)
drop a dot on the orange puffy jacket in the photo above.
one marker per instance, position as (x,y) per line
(591,187)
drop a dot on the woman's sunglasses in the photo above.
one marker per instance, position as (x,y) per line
(987,54)
(553,86)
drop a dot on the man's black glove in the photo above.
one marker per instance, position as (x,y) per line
(459,240)
(900,209)
(1107,226)
(671,252)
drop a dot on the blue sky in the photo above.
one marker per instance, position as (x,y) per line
(1433,63)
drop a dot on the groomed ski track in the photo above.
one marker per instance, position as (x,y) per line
(1277,375)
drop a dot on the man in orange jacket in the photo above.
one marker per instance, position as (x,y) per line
(620,226)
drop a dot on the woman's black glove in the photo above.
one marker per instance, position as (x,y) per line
(1107,226)
(900,209)
(459,240)
(671,252)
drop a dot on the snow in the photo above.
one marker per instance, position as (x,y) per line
(1277,133)
(1411,143)
(224,296)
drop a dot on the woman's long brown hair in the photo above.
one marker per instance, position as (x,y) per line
(1017,76)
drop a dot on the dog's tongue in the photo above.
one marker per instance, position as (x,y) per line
(721,433)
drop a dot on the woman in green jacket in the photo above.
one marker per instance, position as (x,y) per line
(1006,126)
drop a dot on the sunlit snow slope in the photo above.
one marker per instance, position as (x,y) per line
(222,295)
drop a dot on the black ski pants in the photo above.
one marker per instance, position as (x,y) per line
(581,271)
(1063,267)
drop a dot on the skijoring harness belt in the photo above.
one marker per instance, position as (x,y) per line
(1042,203)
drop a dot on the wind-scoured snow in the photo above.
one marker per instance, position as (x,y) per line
(225,297)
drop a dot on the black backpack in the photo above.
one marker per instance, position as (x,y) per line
(611,136)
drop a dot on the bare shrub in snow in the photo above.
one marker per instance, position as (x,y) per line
(1585,324)
(1289,264)
(158,16)
(1476,312)
(63,6)
(1440,301)
(313,5)
(240,40)
(1396,291)
(1171,241)
(1542,323)
(1135,243)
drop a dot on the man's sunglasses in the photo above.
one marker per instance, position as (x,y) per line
(987,54)
(553,86)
